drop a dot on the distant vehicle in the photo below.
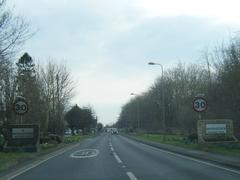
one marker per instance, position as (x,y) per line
(68,132)
(114,131)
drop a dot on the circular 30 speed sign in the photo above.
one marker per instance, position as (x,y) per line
(20,107)
(200,104)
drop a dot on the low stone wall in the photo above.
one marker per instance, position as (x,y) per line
(215,130)
(21,137)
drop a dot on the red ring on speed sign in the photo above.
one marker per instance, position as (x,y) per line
(200,104)
(20,107)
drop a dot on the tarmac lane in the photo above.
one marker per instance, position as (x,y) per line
(115,157)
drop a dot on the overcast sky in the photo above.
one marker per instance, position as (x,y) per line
(107,44)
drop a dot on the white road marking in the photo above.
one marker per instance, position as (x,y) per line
(26,168)
(193,159)
(117,158)
(85,153)
(131,176)
(112,149)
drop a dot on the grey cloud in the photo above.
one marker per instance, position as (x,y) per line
(165,38)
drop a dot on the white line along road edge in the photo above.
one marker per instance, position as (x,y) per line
(192,159)
(37,163)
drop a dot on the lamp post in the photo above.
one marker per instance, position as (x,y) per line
(57,126)
(163,106)
(138,109)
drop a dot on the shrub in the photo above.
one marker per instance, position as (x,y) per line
(50,138)
(191,138)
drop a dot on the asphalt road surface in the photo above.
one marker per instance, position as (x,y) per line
(114,157)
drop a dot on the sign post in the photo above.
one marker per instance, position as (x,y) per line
(20,107)
(199,105)
(212,130)
(20,136)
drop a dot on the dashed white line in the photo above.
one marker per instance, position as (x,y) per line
(115,154)
(117,158)
(131,176)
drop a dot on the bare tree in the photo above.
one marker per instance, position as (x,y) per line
(58,90)
(14,31)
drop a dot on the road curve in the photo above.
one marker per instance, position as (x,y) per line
(114,157)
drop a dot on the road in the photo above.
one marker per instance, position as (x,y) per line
(114,157)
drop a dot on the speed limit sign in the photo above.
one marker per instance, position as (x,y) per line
(200,104)
(20,107)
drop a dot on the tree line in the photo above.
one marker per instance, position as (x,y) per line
(14,31)
(217,80)
(47,89)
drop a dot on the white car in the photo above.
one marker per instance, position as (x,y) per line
(68,132)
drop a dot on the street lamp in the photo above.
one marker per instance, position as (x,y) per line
(138,107)
(163,107)
(133,94)
(58,125)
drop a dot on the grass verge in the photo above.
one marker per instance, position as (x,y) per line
(231,149)
(11,159)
